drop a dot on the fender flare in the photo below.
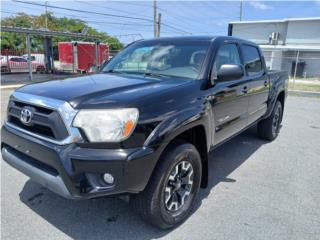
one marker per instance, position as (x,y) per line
(178,123)
(162,135)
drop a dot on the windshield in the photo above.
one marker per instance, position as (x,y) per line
(176,59)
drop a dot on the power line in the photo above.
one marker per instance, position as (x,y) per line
(186,21)
(106,23)
(78,17)
(99,13)
(84,11)
(134,4)
(110,8)
(91,21)
(175,28)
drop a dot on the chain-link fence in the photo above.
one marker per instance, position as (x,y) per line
(298,63)
(73,56)
(53,53)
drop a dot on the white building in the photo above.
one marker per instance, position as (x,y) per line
(285,41)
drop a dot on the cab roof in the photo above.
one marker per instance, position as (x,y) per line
(195,39)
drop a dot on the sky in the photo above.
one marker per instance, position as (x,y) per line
(177,17)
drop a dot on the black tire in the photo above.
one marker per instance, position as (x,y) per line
(5,69)
(152,203)
(269,128)
(40,69)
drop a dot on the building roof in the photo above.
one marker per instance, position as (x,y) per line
(278,21)
(291,47)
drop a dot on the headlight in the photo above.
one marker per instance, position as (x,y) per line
(112,125)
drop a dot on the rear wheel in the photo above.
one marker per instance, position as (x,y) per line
(169,198)
(5,69)
(269,128)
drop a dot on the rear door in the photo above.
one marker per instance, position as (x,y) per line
(230,102)
(258,85)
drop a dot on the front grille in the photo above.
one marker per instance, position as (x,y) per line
(39,109)
(45,122)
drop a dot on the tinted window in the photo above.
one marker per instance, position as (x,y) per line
(18,59)
(252,60)
(14,59)
(227,54)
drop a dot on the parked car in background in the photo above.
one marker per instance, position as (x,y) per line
(36,57)
(19,64)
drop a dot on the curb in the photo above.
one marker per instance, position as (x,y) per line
(11,86)
(304,93)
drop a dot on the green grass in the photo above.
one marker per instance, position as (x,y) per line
(307,78)
(305,87)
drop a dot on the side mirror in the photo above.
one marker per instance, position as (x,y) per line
(228,72)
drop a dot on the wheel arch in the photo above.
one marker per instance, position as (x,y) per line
(195,134)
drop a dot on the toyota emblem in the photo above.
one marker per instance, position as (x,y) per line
(26,116)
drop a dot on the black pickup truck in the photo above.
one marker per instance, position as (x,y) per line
(144,125)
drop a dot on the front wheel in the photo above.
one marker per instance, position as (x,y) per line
(269,128)
(169,197)
(40,69)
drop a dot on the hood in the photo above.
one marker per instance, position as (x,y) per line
(100,89)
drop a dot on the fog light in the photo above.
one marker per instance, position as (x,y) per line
(108,178)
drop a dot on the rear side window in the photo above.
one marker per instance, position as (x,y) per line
(227,54)
(252,60)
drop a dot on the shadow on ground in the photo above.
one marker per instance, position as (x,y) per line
(111,218)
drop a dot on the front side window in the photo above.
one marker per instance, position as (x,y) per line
(18,60)
(176,59)
(252,60)
(227,54)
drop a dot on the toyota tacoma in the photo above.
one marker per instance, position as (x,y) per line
(144,125)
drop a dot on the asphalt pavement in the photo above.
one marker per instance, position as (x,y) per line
(257,190)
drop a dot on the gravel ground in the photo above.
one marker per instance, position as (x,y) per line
(257,190)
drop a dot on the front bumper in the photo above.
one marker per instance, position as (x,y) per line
(75,172)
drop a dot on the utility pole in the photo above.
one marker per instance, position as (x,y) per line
(240,10)
(155,18)
(295,68)
(46,10)
(29,56)
(159,24)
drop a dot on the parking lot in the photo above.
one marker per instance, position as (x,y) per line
(257,190)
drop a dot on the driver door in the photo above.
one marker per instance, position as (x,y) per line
(229,98)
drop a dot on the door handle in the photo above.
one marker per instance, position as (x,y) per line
(245,89)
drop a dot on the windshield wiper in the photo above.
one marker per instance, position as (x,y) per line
(153,74)
(112,71)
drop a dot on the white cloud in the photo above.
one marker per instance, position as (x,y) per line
(259,5)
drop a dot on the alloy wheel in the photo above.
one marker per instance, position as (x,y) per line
(179,186)
(276,121)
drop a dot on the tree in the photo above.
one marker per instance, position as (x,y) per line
(16,41)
